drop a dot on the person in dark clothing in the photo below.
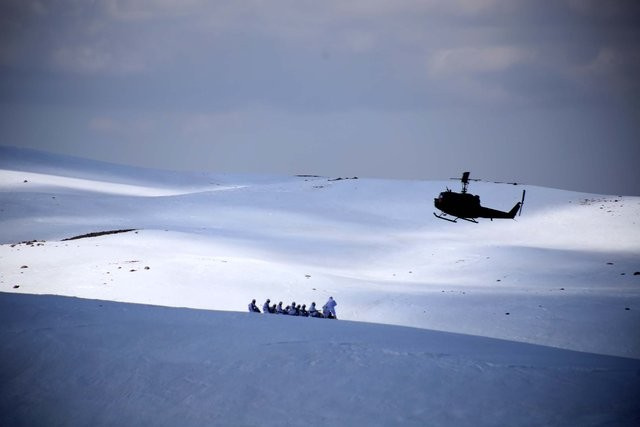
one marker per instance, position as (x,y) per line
(253,308)
(266,308)
(293,311)
(303,311)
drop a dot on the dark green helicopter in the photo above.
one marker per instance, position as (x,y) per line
(467,206)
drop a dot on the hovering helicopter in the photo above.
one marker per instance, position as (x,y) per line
(467,206)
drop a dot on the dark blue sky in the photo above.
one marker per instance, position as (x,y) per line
(541,92)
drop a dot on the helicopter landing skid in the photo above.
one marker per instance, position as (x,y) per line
(441,216)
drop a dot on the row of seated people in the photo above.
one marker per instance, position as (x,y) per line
(328,310)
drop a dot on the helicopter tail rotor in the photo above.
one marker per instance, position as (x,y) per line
(517,209)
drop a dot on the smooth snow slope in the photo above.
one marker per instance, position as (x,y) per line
(561,275)
(67,361)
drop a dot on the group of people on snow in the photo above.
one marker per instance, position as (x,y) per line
(328,310)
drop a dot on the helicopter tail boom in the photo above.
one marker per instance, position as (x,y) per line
(495,214)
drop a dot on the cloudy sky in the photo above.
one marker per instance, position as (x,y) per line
(540,92)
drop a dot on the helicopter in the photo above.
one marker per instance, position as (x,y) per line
(467,206)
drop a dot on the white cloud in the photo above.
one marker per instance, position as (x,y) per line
(604,9)
(80,59)
(471,60)
(142,10)
(614,70)
(127,128)
(607,61)
(385,8)
(427,45)
(94,58)
(38,7)
(104,124)
(202,126)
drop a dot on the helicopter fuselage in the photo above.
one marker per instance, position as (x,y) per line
(459,205)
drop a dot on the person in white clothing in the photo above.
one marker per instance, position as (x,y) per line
(329,309)
(313,312)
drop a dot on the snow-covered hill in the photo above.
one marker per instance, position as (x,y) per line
(562,275)
(83,362)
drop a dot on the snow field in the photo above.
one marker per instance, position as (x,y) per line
(78,362)
(557,287)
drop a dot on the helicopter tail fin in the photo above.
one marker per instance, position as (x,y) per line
(513,212)
(517,208)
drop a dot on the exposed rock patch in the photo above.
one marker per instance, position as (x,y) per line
(98,233)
